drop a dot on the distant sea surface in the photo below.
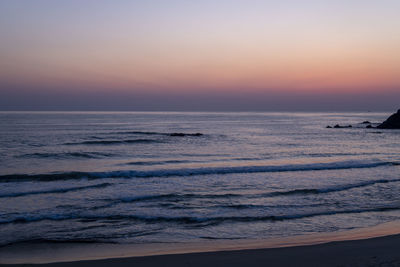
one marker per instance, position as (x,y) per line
(141,177)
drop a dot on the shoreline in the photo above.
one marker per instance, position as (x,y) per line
(57,254)
(380,251)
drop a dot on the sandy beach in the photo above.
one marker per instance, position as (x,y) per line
(374,246)
(381,251)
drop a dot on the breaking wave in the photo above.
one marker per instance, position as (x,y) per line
(307,191)
(189,219)
(55,191)
(197,171)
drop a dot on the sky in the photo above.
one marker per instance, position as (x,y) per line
(209,55)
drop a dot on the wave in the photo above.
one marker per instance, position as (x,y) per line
(177,197)
(149,163)
(89,155)
(64,240)
(173,196)
(306,191)
(138,132)
(176,134)
(339,154)
(331,189)
(161,162)
(197,171)
(55,191)
(189,219)
(114,142)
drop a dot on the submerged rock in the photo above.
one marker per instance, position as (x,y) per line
(393,122)
(185,134)
(339,126)
(366,122)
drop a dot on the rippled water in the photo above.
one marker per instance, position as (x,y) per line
(186,177)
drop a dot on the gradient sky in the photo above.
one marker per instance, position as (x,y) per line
(199,55)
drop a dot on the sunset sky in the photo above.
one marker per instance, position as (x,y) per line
(200,55)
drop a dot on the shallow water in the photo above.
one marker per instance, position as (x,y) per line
(186,177)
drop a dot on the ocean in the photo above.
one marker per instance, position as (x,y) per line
(181,177)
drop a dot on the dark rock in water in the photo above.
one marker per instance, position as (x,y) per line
(369,126)
(177,134)
(186,134)
(393,122)
(328,126)
(366,122)
(339,126)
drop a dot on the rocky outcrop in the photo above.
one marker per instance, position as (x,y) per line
(340,126)
(393,122)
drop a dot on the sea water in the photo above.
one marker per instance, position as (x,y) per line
(167,177)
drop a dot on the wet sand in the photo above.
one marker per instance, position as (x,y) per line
(381,251)
(374,246)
